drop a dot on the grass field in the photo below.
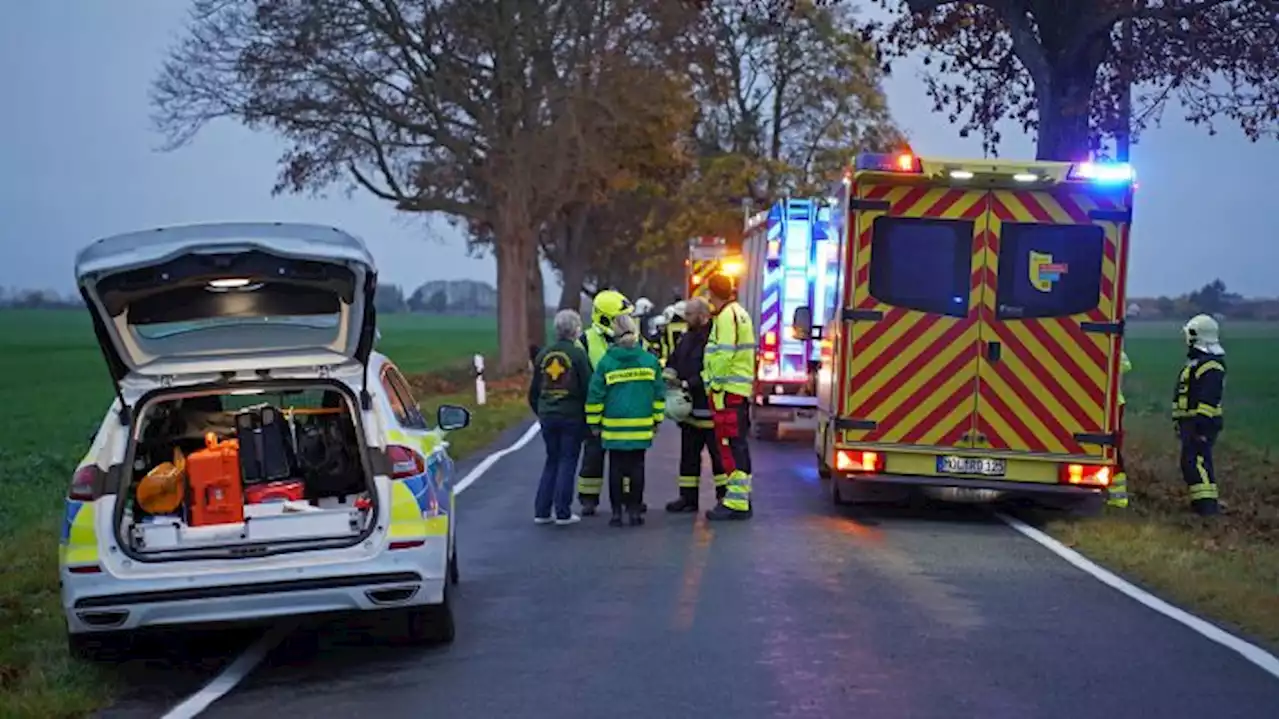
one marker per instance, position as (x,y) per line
(1225,568)
(55,389)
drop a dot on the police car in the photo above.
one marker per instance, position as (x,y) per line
(260,459)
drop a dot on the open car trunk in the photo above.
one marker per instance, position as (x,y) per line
(246,472)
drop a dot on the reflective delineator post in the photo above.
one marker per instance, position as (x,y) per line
(479,363)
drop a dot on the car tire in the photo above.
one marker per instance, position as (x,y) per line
(100,646)
(837,497)
(453,564)
(432,624)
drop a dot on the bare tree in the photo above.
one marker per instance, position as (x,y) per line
(458,107)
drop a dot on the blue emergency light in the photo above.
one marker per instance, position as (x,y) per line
(886,162)
(1109,173)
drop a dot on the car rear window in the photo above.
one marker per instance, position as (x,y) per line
(922,264)
(1048,270)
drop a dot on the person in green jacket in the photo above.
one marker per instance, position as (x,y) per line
(558,395)
(1118,490)
(625,404)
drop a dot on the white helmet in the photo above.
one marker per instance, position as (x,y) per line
(1201,332)
(680,308)
(643,306)
(679,406)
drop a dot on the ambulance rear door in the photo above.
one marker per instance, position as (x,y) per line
(918,255)
(1051,326)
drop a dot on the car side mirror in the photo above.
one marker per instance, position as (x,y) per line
(802,323)
(450,417)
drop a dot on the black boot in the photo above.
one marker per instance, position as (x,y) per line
(723,513)
(687,502)
(636,517)
(721,490)
(589,504)
(616,519)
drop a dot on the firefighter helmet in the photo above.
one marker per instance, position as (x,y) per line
(678,405)
(1201,332)
(607,305)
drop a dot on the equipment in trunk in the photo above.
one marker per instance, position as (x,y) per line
(274,471)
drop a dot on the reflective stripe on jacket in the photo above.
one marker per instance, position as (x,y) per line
(729,364)
(1125,366)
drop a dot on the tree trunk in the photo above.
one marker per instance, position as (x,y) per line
(574,260)
(536,312)
(1063,111)
(515,251)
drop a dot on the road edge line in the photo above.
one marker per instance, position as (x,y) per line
(1254,654)
(241,666)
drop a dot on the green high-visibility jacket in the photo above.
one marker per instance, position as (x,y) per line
(595,344)
(1125,366)
(729,365)
(627,398)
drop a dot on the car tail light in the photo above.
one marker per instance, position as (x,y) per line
(1088,475)
(84,484)
(405,462)
(85,569)
(855,461)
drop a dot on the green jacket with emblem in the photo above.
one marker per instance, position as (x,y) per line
(561,375)
(627,398)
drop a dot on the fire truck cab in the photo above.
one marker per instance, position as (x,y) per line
(791,263)
(973,347)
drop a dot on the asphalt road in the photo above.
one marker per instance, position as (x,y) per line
(805,611)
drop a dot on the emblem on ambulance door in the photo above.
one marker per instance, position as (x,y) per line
(1043,271)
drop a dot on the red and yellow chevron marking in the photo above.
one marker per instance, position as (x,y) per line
(699,272)
(913,373)
(1053,380)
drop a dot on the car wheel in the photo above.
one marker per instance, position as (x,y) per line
(824,469)
(431,624)
(837,497)
(99,646)
(453,565)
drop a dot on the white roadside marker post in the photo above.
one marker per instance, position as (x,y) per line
(479,363)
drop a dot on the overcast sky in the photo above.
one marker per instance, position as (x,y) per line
(78,161)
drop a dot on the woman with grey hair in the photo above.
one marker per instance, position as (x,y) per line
(558,395)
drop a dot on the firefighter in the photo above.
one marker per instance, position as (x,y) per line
(1118,490)
(606,305)
(626,403)
(698,431)
(675,326)
(1197,410)
(728,369)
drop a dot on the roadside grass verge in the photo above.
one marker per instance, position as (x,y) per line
(55,391)
(1225,568)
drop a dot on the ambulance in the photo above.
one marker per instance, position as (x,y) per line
(708,256)
(791,263)
(973,348)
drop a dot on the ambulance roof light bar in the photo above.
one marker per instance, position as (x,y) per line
(1103,173)
(899,162)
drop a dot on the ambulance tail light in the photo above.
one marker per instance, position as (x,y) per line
(405,462)
(1084,475)
(849,460)
(1103,173)
(85,483)
(771,340)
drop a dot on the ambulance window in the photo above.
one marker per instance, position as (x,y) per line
(1048,270)
(922,264)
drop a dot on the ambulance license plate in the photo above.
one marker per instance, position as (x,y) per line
(950,464)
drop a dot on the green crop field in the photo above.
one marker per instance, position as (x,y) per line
(55,389)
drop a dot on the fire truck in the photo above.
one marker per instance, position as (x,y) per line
(708,256)
(972,348)
(791,263)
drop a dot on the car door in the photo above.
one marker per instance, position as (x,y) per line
(414,429)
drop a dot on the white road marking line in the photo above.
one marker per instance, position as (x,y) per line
(236,671)
(1258,656)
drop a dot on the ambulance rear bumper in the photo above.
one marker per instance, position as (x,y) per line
(964,489)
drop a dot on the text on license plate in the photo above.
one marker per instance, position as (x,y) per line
(971,465)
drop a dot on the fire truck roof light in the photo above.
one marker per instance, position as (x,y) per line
(1103,172)
(961,175)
